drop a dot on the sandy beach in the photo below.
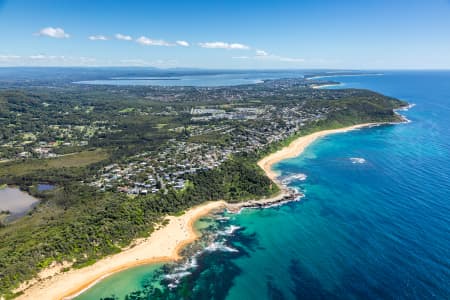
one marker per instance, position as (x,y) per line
(164,243)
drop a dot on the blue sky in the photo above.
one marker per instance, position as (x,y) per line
(262,34)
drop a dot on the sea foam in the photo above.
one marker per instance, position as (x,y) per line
(290,178)
(229,230)
(177,276)
(220,246)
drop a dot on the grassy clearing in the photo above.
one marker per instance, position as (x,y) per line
(70,160)
(127,110)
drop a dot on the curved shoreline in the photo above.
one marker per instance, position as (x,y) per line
(165,243)
(299,145)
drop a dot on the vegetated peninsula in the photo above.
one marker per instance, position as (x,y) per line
(121,158)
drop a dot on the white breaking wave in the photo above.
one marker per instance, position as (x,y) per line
(182,271)
(229,230)
(172,285)
(219,246)
(186,268)
(190,264)
(177,276)
(288,179)
(406,108)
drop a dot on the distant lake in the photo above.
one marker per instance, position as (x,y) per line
(16,201)
(223,79)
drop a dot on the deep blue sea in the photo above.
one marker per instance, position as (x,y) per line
(374,222)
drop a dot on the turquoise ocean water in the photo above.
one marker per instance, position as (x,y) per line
(374,222)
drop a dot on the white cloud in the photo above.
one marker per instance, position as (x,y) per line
(134,62)
(7,58)
(57,33)
(265,56)
(149,42)
(144,63)
(40,56)
(273,57)
(46,60)
(261,53)
(223,45)
(288,59)
(87,60)
(98,38)
(182,43)
(123,37)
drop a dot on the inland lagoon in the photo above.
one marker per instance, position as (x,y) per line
(15,203)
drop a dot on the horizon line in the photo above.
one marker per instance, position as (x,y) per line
(224,69)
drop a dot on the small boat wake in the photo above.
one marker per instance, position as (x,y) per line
(357,160)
